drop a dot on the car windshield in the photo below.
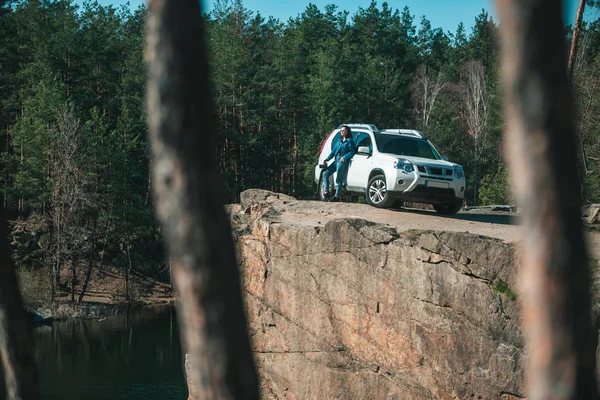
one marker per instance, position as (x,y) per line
(403,146)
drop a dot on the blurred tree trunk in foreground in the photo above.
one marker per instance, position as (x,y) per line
(541,146)
(16,338)
(189,205)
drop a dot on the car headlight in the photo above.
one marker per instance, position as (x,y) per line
(404,165)
(459,172)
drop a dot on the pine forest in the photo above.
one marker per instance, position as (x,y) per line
(74,154)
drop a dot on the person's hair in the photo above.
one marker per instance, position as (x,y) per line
(349,131)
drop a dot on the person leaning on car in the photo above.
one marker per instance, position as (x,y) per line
(343,152)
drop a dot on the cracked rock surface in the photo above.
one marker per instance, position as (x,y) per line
(343,306)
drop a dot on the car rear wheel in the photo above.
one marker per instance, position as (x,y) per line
(377,194)
(448,208)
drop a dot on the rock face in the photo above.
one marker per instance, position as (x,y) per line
(344,308)
(591,214)
(40,316)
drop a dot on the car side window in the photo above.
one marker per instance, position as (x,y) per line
(363,139)
(365,142)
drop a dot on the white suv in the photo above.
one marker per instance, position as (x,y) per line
(402,164)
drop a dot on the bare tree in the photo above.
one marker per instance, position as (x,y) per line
(188,203)
(16,338)
(586,85)
(585,81)
(427,86)
(541,143)
(474,96)
(69,197)
(573,55)
(584,53)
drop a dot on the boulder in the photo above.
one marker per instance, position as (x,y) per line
(342,307)
(251,196)
(591,214)
(492,208)
(40,316)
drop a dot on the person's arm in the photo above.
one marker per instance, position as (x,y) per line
(352,151)
(332,154)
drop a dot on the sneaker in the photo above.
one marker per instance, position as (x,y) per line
(336,199)
(326,195)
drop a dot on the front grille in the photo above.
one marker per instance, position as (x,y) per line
(435,171)
(437,178)
(433,190)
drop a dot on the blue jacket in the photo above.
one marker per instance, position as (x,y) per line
(347,149)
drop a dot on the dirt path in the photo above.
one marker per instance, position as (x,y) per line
(499,225)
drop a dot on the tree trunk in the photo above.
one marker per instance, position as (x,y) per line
(127,272)
(52,285)
(126,244)
(88,273)
(295,155)
(20,207)
(105,243)
(16,338)
(475,176)
(582,165)
(7,176)
(56,269)
(539,137)
(73,279)
(188,203)
(575,39)
(170,275)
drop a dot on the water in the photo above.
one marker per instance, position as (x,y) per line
(118,358)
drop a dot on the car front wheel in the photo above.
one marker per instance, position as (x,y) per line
(377,194)
(447,209)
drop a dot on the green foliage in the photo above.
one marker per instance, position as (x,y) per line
(32,137)
(278,87)
(88,196)
(34,286)
(495,188)
(501,287)
(591,192)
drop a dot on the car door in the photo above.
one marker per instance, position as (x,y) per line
(360,165)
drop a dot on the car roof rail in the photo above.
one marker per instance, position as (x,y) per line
(408,132)
(370,127)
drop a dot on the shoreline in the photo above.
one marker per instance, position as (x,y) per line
(91,309)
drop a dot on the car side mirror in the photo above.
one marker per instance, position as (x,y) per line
(364,150)
(445,158)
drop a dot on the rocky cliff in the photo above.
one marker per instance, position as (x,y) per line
(348,308)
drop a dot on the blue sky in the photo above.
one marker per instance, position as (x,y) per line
(442,13)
